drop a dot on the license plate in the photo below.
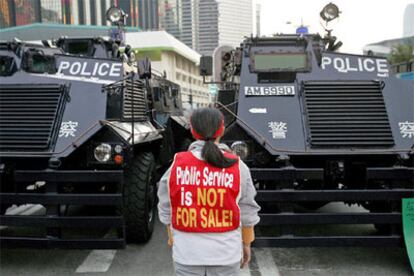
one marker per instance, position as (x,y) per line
(278,90)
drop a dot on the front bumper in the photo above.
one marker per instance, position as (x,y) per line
(54,221)
(400,185)
(293,173)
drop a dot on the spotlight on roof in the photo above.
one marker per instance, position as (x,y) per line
(330,12)
(115,15)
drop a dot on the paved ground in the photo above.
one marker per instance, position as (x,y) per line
(154,258)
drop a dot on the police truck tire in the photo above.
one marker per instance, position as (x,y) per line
(139,197)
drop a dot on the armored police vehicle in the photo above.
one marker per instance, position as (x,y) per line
(81,126)
(318,126)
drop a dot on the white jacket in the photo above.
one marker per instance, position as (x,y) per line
(210,248)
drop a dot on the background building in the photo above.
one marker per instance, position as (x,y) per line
(257,9)
(179,62)
(208,33)
(180,18)
(383,48)
(189,23)
(141,13)
(235,21)
(205,24)
(408,28)
(170,17)
(42,31)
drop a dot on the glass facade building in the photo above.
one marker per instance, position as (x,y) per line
(205,24)
(141,13)
(408,28)
(170,17)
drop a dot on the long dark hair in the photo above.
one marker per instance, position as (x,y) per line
(206,122)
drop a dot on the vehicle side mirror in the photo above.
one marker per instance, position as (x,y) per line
(144,68)
(206,66)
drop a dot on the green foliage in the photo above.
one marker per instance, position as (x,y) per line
(401,53)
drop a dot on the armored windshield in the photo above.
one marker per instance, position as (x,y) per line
(280,61)
(79,48)
(42,64)
(7,66)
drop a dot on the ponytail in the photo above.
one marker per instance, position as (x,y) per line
(214,156)
(208,124)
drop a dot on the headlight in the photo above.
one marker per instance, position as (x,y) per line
(103,152)
(241,149)
(118,148)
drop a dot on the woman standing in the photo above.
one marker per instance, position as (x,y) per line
(206,199)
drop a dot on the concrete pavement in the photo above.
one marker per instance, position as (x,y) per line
(154,258)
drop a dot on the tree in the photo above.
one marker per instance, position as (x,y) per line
(401,53)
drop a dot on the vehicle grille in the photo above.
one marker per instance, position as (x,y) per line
(29,116)
(140,104)
(347,114)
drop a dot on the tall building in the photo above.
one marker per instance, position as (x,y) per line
(141,13)
(257,9)
(180,18)
(189,22)
(208,28)
(205,24)
(170,17)
(235,21)
(408,28)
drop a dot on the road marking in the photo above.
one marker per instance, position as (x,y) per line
(97,261)
(307,269)
(267,266)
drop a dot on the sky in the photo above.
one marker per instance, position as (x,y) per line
(361,21)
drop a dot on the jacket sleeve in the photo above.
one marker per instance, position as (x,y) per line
(248,206)
(164,205)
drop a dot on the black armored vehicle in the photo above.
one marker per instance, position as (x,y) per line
(83,124)
(318,126)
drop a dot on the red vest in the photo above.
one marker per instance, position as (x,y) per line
(204,198)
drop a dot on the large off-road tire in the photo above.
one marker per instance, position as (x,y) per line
(139,197)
